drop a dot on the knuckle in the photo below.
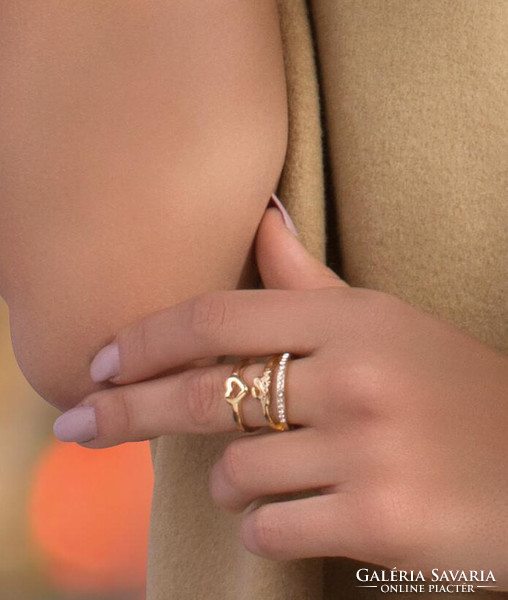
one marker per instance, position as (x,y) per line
(333,304)
(233,466)
(382,310)
(340,295)
(208,314)
(134,341)
(334,397)
(202,401)
(265,532)
(379,298)
(362,383)
(354,391)
(115,413)
(124,411)
(99,401)
(381,527)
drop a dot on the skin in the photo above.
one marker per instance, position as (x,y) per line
(140,145)
(404,440)
(88,247)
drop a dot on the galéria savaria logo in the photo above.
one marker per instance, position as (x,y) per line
(395,580)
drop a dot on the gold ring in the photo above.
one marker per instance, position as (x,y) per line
(281,391)
(262,391)
(235,391)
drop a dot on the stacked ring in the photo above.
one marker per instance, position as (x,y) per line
(283,424)
(261,390)
(236,390)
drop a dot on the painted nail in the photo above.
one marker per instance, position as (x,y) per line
(76,425)
(285,215)
(106,363)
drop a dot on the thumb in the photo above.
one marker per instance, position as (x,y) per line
(283,261)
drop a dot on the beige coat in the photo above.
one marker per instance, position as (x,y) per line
(411,174)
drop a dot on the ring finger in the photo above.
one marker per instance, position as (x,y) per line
(191,401)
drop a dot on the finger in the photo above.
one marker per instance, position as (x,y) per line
(316,526)
(256,466)
(188,402)
(284,262)
(234,323)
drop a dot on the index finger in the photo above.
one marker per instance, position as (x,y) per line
(213,324)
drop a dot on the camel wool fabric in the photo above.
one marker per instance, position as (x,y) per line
(397,175)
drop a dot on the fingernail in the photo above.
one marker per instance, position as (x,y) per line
(76,425)
(106,363)
(285,215)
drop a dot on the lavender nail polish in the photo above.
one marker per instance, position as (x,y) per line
(76,425)
(106,363)
(285,215)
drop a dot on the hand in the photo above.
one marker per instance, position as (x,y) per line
(402,416)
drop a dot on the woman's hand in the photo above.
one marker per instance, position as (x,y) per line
(403,417)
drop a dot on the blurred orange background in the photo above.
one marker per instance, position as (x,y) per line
(73,521)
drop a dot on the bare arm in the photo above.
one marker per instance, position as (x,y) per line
(140,145)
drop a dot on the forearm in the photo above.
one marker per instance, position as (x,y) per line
(142,145)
